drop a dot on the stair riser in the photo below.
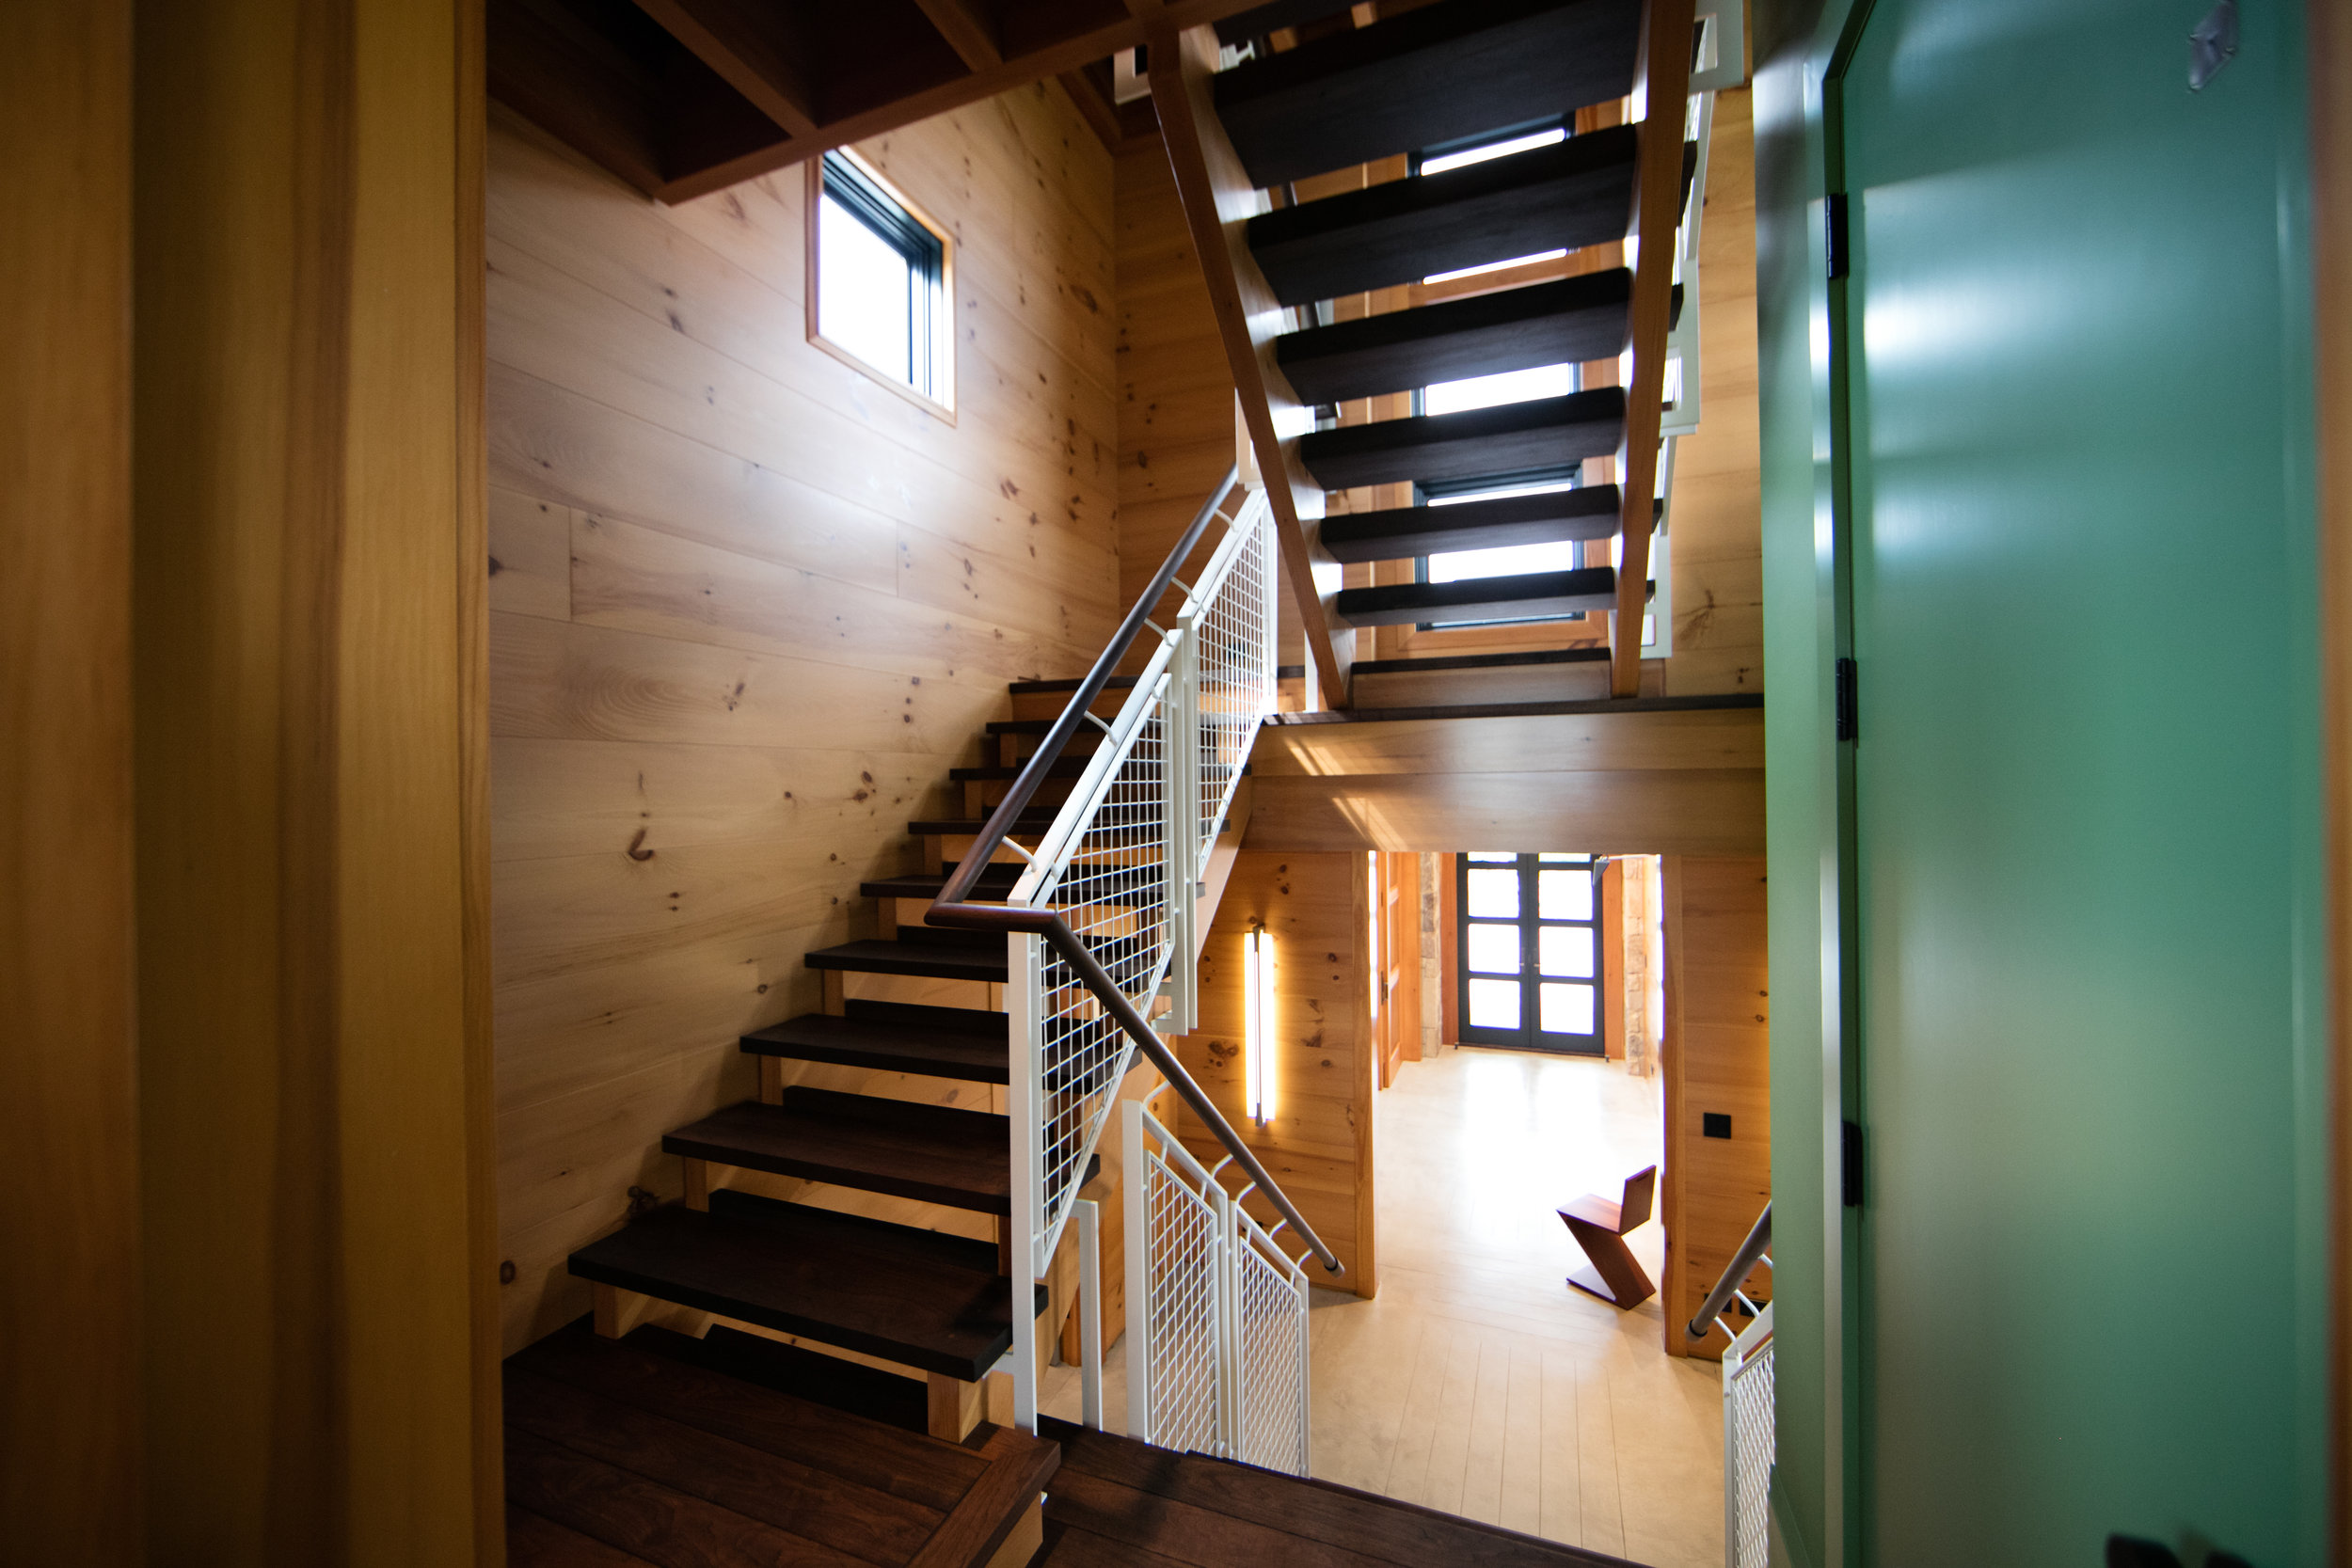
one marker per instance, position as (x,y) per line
(1450,687)
(1049,704)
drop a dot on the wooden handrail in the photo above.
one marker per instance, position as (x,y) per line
(1663,77)
(1218,201)
(952,909)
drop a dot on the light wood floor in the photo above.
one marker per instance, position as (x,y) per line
(1476,1381)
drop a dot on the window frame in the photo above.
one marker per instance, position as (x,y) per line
(1572,474)
(936,336)
(1529,1035)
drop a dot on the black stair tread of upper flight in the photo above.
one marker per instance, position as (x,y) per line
(995,882)
(1060,768)
(1034,688)
(925,959)
(1567,321)
(1574,193)
(1479,661)
(1398,533)
(922,1298)
(1528,596)
(929,1153)
(1029,824)
(964,1043)
(1474,443)
(1439,73)
(1259,21)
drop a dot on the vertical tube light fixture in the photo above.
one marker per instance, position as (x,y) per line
(1257,955)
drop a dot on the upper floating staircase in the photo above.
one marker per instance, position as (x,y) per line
(1350,92)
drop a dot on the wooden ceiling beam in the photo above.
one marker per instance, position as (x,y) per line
(969,31)
(757,50)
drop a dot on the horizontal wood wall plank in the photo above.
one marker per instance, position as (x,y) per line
(757,607)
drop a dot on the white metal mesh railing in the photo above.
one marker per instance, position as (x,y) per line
(1270,1327)
(1748,1443)
(1216,1316)
(1122,866)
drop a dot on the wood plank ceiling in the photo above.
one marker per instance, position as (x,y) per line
(680,98)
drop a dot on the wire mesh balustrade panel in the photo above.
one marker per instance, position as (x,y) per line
(1273,1352)
(1750,1391)
(1180,1244)
(1236,661)
(1111,889)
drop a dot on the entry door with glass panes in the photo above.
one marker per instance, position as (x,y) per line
(1529,950)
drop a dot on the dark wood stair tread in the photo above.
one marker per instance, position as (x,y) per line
(1031,689)
(1060,768)
(1528,596)
(926,959)
(1210,1513)
(1540,433)
(1565,195)
(1567,321)
(1439,73)
(1480,662)
(917,1297)
(929,1153)
(895,1037)
(1400,534)
(995,882)
(1029,824)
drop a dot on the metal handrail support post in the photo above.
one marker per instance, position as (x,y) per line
(1023,1092)
(1088,1215)
(1138,1320)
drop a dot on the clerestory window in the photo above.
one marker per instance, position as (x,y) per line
(881,278)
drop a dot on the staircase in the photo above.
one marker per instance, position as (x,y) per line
(1346,91)
(924,1299)
(1013,995)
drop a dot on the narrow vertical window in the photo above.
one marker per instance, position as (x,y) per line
(880,273)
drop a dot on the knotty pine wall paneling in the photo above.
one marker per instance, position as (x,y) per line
(1318,1145)
(1717,1058)
(1717,532)
(748,608)
(69,1394)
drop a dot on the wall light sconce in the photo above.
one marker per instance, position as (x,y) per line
(1257,968)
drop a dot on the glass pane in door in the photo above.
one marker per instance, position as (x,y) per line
(1494,949)
(1495,894)
(1566,951)
(1566,1009)
(1494,1003)
(1563,895)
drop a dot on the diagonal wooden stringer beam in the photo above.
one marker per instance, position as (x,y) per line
(1663,89)
(1218,201)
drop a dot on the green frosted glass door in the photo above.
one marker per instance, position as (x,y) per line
(2084,786)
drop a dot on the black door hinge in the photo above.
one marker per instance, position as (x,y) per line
(1834,233)
(1849,702)
(1850,1166)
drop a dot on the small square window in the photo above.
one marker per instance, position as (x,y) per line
(880,281)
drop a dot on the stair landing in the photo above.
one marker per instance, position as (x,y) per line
(626,1453)
(1115,1500)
